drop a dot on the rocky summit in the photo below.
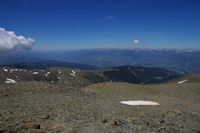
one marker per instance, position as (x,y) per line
(64,100)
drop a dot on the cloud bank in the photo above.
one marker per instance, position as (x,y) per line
(136,41)
(10,41)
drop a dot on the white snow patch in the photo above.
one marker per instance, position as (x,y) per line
(73,73)
(180,82)
(10,81)
(136,103)
(59,71)
(11,70)
(35,73)
(5,69)
(47,74)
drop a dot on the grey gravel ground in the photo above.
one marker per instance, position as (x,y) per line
(46,107)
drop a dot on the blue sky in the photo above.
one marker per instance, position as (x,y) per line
(77,24)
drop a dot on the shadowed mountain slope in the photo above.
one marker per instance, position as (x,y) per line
(78,77)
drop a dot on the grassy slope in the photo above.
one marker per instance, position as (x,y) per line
(193,78)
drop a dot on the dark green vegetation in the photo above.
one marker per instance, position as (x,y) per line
(39,107)
(141,75)
(77,77)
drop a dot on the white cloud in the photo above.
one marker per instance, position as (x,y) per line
(106,18)
(10,41)
(136,41)
(110,17)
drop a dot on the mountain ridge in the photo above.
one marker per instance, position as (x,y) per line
(49,63)
(185,61)
(78,77)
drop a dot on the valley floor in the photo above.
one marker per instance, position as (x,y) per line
(46,107)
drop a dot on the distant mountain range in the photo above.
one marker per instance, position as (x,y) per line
(185,61)
(11,58)
(45,64)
